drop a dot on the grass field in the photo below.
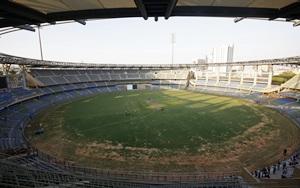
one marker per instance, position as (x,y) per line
(164,130)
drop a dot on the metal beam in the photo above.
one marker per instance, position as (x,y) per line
(141,6)
(94,14)
(219,11)
(26,27)
(82,22)
(15,20)
(211,11)
(170,8)
(238,19)
(14,23)
(296,23)
(289,11)
(24,12)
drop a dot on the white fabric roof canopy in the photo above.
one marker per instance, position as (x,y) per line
(238,3)
(51,6)
(34,12)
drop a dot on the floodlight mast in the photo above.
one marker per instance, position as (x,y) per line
(40,42)
(173,40)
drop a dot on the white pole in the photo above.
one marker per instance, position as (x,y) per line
(40,42)
(172,43)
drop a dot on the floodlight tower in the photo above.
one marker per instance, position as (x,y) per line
(40,42)
(173,41)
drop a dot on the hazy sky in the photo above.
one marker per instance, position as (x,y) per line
(135,40)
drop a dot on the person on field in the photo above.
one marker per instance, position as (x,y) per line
(284,173)
(274,169)
(284,165)
(278,165)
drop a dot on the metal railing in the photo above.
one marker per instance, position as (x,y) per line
(14,175)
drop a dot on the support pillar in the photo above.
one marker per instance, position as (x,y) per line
(242,74)
(206,78)
(23,72)
(6,68)
(196,78)
(218,76)
(270,70)
(196,75)
(229,74)
(255,75)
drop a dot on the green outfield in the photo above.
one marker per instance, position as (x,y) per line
(163,129)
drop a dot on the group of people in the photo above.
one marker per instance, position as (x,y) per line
(281,165)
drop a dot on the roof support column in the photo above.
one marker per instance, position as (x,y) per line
(255,75)
(23,72)
(6,68)
(170,8)
(206,77)
(24,79)
(229,74)
(242,74)
(270,70)
(40,44)
(25,14)
(141,6)
(218,76)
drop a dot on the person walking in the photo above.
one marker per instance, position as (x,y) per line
(274,169)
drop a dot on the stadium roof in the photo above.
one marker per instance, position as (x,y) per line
(34,12)
(15,60)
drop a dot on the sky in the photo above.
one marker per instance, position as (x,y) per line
(136,41)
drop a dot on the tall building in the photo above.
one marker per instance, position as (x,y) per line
(230,53)
(222,54)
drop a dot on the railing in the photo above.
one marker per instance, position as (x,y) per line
(20,176)
(136,175)
(74,172)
